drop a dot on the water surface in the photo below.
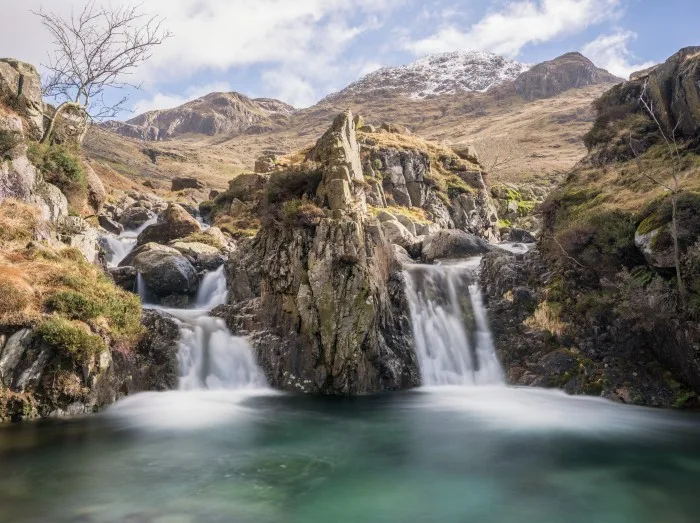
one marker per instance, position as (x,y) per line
(443,455)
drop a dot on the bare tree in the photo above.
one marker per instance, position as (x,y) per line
(499,154)
(97,50)
(674,190)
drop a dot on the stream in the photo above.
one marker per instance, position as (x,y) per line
(463,448)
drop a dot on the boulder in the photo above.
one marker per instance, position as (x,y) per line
(385,216)
(202,256)
(17,178)
(166,273)
(397,234)
(96,189)
(521,236)
(160,348)
(408,223)
(77,233)
(402,255)
(129,258)
(11,354)
(173,224)
(426,229)
(134,217)
(468,153)
(109,225)
(182,183)
(452,244)
(20,88)
(124,277)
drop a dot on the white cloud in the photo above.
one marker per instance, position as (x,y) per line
(168,101)
(304,37)
(611,52)
(520,23)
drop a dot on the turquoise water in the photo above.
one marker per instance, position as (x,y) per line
(448,455)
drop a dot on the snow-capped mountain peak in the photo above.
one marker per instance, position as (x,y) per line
(439,74)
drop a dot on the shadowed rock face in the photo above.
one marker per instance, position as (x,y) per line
(569,71)
(213,114)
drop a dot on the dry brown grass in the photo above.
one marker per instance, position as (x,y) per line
(18,221)
(547,318)
(548,132)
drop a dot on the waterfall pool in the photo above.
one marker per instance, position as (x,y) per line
(485,454)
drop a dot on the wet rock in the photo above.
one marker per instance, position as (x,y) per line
(134,217)
(124,277)
(166,272)
(110,225)
(520,236)
(452,244)
(159,347)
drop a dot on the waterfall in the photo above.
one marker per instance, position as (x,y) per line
(209,356)
(212,290)
(453,340)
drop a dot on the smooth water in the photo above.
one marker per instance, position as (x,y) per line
(453,341)
(482,454)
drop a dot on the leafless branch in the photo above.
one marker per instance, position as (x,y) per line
(97,50)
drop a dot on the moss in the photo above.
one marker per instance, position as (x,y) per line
(74,305)
(457,186)
(206,239)
(503,223)
(61,166)
(70,339)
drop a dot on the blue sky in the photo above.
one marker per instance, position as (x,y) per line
(301,50)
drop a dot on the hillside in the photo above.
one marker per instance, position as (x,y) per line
(518,139)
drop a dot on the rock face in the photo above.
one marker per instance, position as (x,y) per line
(606,355)
(324,304)
(173,224)
(438,74)
(20,88)
(213,114)
(38,383)
(569,71)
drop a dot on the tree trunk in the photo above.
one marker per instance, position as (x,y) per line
(52,123)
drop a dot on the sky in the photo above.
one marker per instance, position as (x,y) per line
(299,51)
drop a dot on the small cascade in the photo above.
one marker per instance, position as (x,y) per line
(212,290)
(453,340)
(210,357)
(120,246)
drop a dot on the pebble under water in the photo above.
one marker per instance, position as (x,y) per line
(486,454)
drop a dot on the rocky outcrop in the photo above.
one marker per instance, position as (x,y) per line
(20,89)
(173,224)
(35,380)
(569,71)
(339,155)
(606,354)
(324,302)
(213,114)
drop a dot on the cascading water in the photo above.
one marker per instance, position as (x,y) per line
(453,340)
(118,247)
(209,356)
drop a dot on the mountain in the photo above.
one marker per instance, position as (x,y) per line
(569,71)
(436,75)
(523,114)
(213,114)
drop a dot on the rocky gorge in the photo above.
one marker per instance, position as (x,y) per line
(313,249)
